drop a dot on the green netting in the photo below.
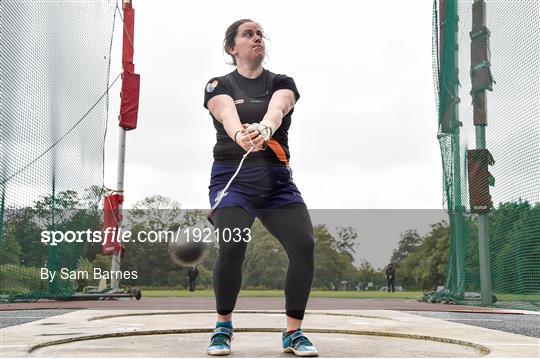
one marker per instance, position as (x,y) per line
(512,136)
(54,77)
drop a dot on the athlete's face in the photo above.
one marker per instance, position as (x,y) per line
(248,43)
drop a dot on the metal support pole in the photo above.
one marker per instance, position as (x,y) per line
(451,65)
(116,258)
(483,236)
(480,60)
(121,160)
(485,267)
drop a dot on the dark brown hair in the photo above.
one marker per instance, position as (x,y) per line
(230,34)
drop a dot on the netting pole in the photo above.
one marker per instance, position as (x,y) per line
(481,81)
(52,263)
(116,258)
(128,115)
(2,206)
(449,126)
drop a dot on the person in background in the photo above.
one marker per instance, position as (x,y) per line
(391,276)
(192,272)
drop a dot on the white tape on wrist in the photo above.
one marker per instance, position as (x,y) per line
(270,125)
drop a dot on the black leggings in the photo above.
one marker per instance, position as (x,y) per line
(291,225)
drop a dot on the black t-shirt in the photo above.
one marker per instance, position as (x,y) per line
(251,97)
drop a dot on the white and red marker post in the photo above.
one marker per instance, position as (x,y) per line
(129,106)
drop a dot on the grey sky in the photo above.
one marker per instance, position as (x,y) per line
(363,133)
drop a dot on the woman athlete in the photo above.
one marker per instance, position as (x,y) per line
(251,108)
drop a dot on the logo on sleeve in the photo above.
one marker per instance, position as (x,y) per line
(239,101)
(211,86)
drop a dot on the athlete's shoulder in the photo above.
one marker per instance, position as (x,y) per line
(218,82)
(219,85)
(282,81)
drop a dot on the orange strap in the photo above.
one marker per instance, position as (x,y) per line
(278,150)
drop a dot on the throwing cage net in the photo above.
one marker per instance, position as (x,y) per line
(54,81)
(486,68)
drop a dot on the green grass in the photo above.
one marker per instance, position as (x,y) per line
(149,293)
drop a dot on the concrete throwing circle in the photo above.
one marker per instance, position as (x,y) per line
(267,312)
(248,342)
(257,342)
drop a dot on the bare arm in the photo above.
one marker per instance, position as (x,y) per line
(224,111)
(281,103)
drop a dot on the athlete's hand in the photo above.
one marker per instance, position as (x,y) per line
(265,130)
(246,139)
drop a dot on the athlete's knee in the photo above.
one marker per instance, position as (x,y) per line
(307,251)
(232,254)
(304,239)
(302,259)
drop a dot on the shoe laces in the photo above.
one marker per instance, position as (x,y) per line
(220,339)
(301,341)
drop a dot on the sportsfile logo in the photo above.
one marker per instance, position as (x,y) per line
(53,238)
(190,234)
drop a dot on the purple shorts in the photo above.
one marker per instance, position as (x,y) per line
(257,188)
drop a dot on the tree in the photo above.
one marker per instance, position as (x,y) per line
(433,255)
(11,250)
(424,267)
(194,216)
(514,230)
(53,210)
(410,240)
(151,261)
(346,240)
(156,213)
(20,227)
(331,266)
(368,274)
(266,262)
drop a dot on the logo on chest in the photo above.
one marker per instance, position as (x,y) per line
(240,101)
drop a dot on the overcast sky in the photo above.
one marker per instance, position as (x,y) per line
(363,134)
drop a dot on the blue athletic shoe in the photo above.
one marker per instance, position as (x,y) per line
(298,344)
(220,344)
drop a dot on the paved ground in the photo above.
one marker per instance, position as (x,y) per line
(377,327)
(10,318)
(351,333)
(511,323)
(247,304)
